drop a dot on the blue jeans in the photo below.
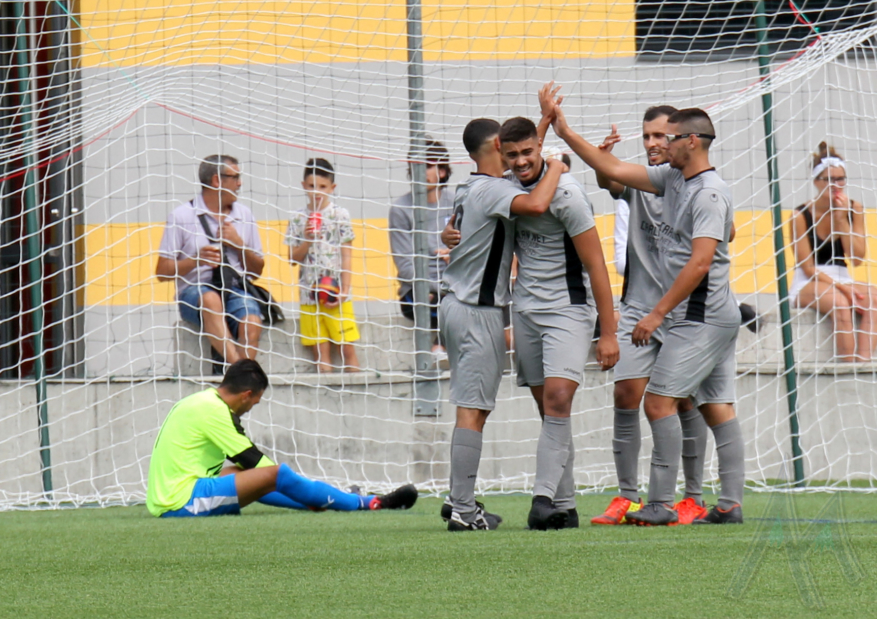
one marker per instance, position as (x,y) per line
(238,305)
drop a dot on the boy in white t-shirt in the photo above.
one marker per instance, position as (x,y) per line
(320,239)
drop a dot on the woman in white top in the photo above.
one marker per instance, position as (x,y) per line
(828,234)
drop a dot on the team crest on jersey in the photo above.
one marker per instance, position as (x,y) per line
(714,197)
(567,194)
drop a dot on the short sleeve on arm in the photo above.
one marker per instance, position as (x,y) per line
(574,211)
(709,210)
(659,175)
(170,239)
(295,230)
(498,197)
(622,219)
(225,431)
(345,228)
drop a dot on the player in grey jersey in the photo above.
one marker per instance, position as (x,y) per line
(476,288)
(642,290)
(698,356)
(561,277)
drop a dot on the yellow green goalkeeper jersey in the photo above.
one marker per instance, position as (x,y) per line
(195,440)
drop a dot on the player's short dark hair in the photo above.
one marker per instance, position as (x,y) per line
(318,166)
(656,111)
(517,129)
(212,165)
(245,375)
(693,120)
(566,160)
(437,155)
(477,132)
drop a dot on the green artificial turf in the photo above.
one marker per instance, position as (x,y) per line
(121,562)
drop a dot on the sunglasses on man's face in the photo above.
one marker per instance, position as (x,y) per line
(673,138)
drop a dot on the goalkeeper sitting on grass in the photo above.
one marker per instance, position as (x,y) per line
(203,430)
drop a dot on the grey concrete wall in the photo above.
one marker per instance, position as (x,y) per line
(361,429)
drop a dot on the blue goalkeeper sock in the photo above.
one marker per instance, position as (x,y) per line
(276,499)
(316,493)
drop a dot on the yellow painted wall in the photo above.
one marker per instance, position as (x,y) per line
(163,32)
(120,260)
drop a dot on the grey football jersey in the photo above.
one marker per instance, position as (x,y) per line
(643,282)
(550,274)
(696,208)
(480,265)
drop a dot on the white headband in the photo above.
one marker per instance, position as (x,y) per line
(828,162)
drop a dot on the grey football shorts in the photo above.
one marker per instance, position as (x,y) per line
(699,361)
(636,361)
(475,342)
(552,343)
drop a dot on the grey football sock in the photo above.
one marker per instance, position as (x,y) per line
(667,436)
(465,457)
(565,497)
(694,435)
(552,452)
(626,442)
(729,447)
(451,478)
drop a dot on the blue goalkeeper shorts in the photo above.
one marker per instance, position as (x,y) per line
(212,496)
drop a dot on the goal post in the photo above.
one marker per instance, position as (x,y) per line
(108,111)
(789,369)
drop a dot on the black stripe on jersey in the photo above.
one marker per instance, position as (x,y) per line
(487,294)
(626,273)
(697,301)
(236,420)
(575,282)
(248,458)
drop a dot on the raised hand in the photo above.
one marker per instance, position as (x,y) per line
(611,140)
(548,99)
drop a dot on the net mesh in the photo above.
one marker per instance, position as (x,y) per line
(107,113)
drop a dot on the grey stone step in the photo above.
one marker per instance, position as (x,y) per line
(387,345)
(812,339)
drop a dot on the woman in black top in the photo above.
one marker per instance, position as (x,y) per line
(828,234)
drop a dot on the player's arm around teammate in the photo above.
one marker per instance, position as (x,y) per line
(476,287)
(533,204)
(698,355)
(554,315)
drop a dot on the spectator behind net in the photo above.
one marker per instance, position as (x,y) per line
(440,206)
(320,238)
(828,233)
(188,257)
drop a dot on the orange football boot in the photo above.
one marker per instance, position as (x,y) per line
(616,512)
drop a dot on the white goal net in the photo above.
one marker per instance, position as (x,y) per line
(106,114)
